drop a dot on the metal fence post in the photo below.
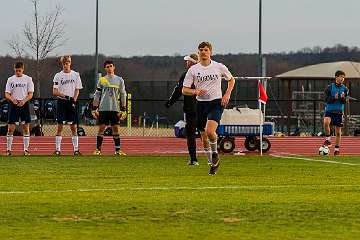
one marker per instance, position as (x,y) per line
(129,116)
(314,131)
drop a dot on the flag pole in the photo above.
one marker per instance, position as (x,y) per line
(261,120)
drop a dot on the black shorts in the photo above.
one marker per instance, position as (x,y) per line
(66,112)
(109,118)
(19,114)
(208,110)
(337,119)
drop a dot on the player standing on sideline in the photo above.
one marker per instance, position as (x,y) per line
(67,85)
(206,76)
(18,91)
(189,109)
(110,98)
(336,96)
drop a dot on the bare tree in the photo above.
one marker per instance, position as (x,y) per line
(42,35)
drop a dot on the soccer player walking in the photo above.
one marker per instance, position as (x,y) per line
(206,76)
(189,109)
(66,88)
(336,96)
(18,91)
(110,99)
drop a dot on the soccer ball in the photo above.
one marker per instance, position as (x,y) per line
(324,150)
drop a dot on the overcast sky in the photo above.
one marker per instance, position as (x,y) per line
(168,27)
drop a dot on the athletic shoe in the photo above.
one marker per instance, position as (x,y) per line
(77,153)
(327,143)
(57,153)
(120,153)
(26,153)
(8,153)
(193,163)
(336,152)
(213,169)
(97,152)
(215,159)
(215,164)
(209,162)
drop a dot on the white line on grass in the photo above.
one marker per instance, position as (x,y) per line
(314,160)
(169,189)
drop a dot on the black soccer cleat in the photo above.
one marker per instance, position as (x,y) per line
(215,164)
(77,153)
(327,143)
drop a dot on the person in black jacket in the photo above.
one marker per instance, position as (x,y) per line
(189,109)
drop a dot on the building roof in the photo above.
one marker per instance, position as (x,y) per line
(323,71)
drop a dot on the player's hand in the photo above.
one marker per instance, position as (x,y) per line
(122,115)
(20,103)
(95,114)
(336,95)
(342,95)
(200,92)
(225,100)
(14,101)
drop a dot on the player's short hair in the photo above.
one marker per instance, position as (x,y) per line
(108,62)
(339,73)
(205,44)
(65,59)
(19,65)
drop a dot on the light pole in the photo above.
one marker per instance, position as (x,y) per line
(97,44)
(260,40)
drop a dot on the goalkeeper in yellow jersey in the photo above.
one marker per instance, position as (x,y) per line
(109,106)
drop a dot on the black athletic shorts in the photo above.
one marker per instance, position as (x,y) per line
(337,119)
(108,118)
(208,110)
(19,114)
(66,112)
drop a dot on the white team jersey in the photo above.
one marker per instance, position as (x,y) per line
(207,78)
(67,82)
(19,87)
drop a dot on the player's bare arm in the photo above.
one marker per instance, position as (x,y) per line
(191,92)
(226,98)
(76,94)
(9,97)
(57,93)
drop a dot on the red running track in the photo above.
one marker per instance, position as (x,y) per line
(176,146)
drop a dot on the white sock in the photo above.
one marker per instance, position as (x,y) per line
(208,154)
(58,142)
(213,146)
(75,142)
(9,141)
(328,138)
(26,140)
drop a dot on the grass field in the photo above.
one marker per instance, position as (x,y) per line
(163,198)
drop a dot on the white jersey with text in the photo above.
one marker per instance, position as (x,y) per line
(19,87)
(207,78)
(67,82)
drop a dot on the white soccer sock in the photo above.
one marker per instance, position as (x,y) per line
(208,154)
(75,142)
(213,146)
(9,141)
(26,140)
(328,138)
(58,142)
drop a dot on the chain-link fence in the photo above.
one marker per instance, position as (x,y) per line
(149,117)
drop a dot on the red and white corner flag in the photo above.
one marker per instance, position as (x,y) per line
(262,96)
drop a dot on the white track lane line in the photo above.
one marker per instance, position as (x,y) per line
(314,160)
(171,189)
